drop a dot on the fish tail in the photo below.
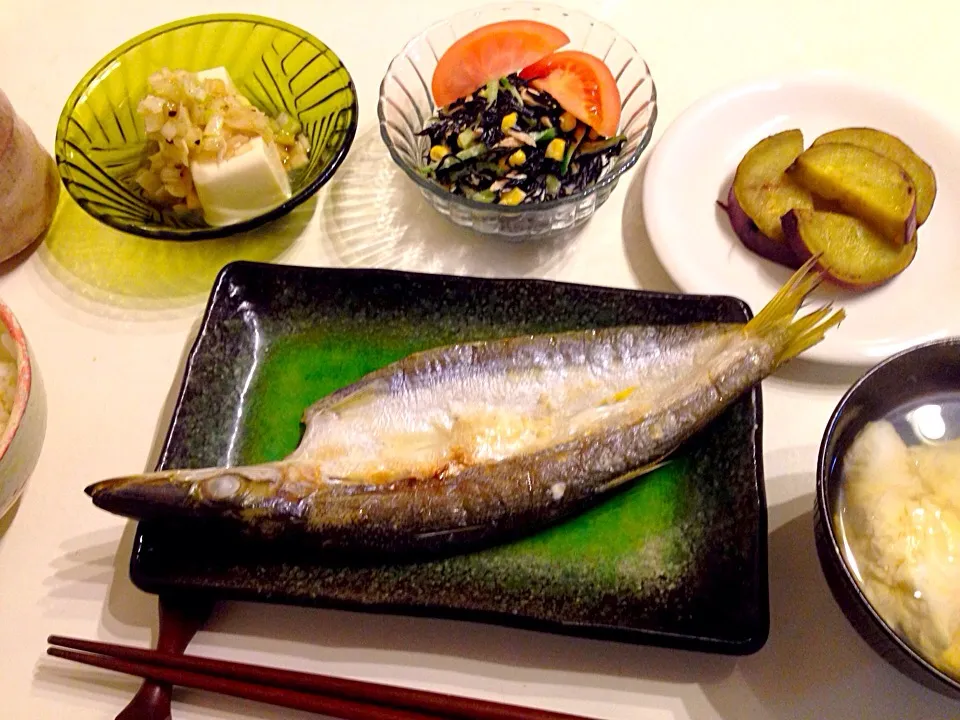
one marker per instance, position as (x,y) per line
(777,321)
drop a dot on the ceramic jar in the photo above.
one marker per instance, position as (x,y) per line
(29,183)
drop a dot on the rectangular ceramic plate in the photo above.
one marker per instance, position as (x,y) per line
(679,558)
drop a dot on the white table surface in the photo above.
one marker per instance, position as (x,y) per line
(110,367)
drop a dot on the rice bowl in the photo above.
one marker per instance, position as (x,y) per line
(22,411)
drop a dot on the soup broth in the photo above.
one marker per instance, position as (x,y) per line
(897,516)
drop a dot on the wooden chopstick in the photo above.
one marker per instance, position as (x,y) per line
(357,698)
(333,707)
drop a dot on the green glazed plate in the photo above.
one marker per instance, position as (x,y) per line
(100,138)
(679,558)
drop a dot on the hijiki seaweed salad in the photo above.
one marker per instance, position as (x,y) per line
(511,143)
(517,122)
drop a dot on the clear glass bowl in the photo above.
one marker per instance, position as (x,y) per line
(101,140)
(406,104)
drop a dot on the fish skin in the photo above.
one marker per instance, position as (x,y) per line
(638,392)
(478,502)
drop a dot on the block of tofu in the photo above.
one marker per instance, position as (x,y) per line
(218,73)
(242,187)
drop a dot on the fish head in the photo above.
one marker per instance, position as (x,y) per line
(199,493)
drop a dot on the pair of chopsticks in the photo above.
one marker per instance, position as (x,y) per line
(336,697)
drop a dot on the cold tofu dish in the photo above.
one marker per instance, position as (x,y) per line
(519,121)
(212,150)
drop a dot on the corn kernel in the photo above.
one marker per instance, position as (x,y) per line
(439,152)
(513,196)
(509,120)
(518,158)
(567,122)
(556,149)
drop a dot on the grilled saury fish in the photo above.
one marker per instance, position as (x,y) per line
(472,443)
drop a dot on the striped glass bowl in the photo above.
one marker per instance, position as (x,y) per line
(100,140)
(406,104)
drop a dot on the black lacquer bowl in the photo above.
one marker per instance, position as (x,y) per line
(679,558)
(926,370)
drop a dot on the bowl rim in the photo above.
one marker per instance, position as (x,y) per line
(610,178)
(24,377)
(822,498)
(162,232)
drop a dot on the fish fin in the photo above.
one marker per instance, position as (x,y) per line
(451,532)
(336,403)
(633,474)
(776,319)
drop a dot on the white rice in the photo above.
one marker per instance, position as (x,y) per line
(8,379)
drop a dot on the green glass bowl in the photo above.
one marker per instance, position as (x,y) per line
(278,67)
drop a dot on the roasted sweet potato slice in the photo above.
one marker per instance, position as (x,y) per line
(779,251)
(895,149)
(865,184)
(762,189)
(852,253)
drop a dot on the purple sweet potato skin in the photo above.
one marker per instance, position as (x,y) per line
(910,229)
(749,234)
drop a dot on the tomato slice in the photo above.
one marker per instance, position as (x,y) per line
(582,84)
(489,52)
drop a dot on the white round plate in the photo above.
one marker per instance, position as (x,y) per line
(692,166)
